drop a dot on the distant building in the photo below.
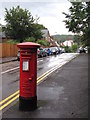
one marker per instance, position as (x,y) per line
(53,42)
(46,34)
(68,43)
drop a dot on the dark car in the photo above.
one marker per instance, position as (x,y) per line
(86,49)
(54,50)
(81,50)
(41,52)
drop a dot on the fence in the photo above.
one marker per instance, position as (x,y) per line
(8,50)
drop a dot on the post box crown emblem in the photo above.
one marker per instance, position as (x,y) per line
(28,45)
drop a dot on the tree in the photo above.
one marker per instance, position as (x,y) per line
(37,34)
(77,40)
(67,49)
(43,42)
(30,39)
(86,32)
(78,19)
(74,48)
(19,23)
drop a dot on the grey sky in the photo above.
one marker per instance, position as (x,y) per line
(49,11)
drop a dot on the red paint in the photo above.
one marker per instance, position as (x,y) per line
(28,78)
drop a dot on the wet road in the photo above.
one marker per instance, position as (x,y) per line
(10,71)
(63,94)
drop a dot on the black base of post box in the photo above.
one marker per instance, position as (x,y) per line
(27,104)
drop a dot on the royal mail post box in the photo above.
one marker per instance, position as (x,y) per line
(28,76)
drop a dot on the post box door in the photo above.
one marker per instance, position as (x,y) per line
(28,76)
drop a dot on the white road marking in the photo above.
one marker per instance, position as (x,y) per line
(14,69)
(9,70)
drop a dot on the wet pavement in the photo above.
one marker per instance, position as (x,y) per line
(7,59)
(63,94)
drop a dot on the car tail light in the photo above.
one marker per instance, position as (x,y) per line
(38,51)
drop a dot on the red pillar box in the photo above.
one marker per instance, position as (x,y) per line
(28,76)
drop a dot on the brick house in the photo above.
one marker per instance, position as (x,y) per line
(46,36)
(53,42)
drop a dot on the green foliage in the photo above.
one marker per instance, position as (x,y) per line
(36,28)
(62,38)
(11,41)
(78,19)
(77,13)
(71,49)
(43,42)
(21,24)
(30,39)
(67,49)
(77,39)
(74,48)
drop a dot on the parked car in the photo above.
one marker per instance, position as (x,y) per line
(86,49)
(41,52)
(59,50)
(62,50)
(81,50)
(18,55)
(54,50)
(48,51)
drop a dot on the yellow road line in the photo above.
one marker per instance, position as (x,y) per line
(45,73)
(38,80)
(9,97)
(5,105)
(3,101)
(44,76)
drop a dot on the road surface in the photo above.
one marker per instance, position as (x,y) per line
(10,71)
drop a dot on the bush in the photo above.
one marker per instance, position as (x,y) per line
(74,48)
(67,49)
(12,41)
(43,42)
(29,39)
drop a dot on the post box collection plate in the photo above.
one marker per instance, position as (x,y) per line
(25,65)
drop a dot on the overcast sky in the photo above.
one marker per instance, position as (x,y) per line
(49,11)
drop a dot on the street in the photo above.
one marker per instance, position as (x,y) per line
(10,71)
(44,56)
(10,79)
(63,94)
(45,67)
